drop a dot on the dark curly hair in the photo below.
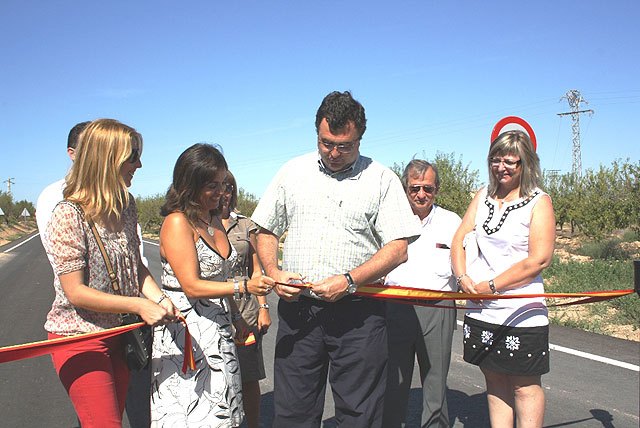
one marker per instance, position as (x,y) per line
(339,108)
(195,168)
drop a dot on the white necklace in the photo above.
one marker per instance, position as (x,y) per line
(210,229)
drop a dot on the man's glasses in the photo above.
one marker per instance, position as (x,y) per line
(134,156)
(426,189)
(508,163)
(342,148)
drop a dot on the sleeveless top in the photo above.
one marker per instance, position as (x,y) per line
(503,240)
(213,266)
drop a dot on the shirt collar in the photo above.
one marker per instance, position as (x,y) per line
(350,170)
(233,220)
(427,220)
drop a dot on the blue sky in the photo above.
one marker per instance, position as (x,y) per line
(433,76)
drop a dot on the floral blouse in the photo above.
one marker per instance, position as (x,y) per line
(70,247)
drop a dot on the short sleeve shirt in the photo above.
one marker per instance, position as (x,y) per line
(71,247)
(335,221)
(238,231)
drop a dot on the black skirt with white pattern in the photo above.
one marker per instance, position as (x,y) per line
(519,351)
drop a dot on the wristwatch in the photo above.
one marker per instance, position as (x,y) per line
(351,286)
(492,287)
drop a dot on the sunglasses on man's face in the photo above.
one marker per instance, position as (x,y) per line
(427,189)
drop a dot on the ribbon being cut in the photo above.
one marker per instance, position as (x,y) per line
(414,296)
(44,347)
(419,296)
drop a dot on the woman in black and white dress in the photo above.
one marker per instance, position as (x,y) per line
(197,258)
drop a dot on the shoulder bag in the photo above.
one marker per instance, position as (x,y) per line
(137,343)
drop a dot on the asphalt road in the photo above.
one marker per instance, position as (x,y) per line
(599,387)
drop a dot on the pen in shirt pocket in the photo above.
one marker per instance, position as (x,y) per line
(443,246)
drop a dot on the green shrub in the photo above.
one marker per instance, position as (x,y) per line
(597,275)
(608,249)
(630,236)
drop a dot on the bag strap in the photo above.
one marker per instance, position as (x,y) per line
(112,275)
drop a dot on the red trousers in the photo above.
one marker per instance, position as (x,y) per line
(96,377)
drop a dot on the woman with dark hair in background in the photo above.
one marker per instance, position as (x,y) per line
(254,309)
(95,373)
(197,258)
(515,230)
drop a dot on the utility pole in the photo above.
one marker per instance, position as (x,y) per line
(574,99)
(9,182)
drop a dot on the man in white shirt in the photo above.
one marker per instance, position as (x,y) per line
(52,194)
(425,332)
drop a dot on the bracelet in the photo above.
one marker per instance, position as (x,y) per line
(236,289)
(164,296)
(236,316)
(492,287)
(459,279)
(264,306)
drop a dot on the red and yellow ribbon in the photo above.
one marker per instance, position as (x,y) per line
(416,295)
(188,361)
(44,347)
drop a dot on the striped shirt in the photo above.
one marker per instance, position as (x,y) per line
(335,221)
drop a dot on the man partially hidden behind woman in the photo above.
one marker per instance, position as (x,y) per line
(197,259)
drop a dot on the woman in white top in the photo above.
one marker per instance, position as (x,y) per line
(514,225)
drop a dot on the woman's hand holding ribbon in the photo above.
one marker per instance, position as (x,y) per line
(261,285)
(468,285)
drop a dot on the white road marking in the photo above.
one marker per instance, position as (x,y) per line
(23,242)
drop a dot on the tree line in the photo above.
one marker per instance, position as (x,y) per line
(12,210)
(600,202)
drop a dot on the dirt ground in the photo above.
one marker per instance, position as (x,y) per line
(8,234)
(565,250)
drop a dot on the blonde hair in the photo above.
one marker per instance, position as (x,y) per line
(95,181)
(516,143)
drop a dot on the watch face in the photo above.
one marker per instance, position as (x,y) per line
(352,288)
